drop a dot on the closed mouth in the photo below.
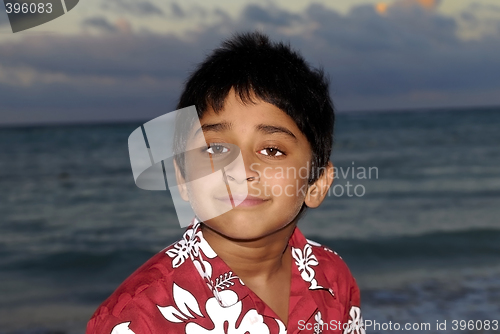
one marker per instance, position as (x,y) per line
(242,201)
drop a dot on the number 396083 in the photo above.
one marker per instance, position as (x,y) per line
(30,8)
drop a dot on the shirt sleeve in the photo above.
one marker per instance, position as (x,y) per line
(127,315)
(115,320)
(104,324)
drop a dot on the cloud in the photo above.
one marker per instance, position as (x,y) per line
(477,6)
(135,7)
(401,52)
(26,77)
(177,10)
(100,23)
(270,15)
(429,5)
(123,25)
(109,77)
(479,20)
(406,58)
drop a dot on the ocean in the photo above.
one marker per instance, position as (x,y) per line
(414,211)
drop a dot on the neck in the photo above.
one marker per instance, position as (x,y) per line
(252,260)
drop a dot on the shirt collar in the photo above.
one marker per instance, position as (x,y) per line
(219,277)
(214,271)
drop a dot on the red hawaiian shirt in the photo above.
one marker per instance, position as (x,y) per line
(187,288)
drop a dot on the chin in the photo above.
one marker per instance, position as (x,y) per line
(237,227)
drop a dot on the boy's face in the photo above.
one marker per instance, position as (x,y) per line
(270,184)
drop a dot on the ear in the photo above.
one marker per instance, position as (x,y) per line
(181,183)
(317,191)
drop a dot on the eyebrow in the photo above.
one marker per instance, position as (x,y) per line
(216,127)
(223,126)
(270,129)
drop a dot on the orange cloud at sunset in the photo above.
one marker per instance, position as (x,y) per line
(427,4)
(123,25)
(382,7)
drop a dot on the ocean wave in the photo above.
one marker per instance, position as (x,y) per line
(443,245)
(472,244)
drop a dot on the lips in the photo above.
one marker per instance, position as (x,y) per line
(243,201)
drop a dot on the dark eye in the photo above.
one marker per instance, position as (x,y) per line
(271,151)
(217,149)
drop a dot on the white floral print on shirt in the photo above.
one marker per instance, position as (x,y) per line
(194,246)
(355,325)
(318,325)
(221,316)
(305,259)
(122,329)
(189,246)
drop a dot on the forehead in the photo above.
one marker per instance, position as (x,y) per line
(257,114)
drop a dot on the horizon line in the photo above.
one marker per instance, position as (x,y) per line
(141,121)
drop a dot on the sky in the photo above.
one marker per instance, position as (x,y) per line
(122,60)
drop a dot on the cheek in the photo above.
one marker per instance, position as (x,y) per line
(202,195)
(290,177)
(207,187)
(293,196)
(288,187)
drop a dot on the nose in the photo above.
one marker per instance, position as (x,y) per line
(237,180)
(240,170)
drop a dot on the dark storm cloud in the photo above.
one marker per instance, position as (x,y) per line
(177,10)
(401,52)
(118,56)
(409,57)
(272,16)
(112,77)
(135,7)
(409,50)
(99,22)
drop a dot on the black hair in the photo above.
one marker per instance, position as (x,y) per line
(255,67)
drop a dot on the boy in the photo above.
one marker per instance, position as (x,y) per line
(249,269)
